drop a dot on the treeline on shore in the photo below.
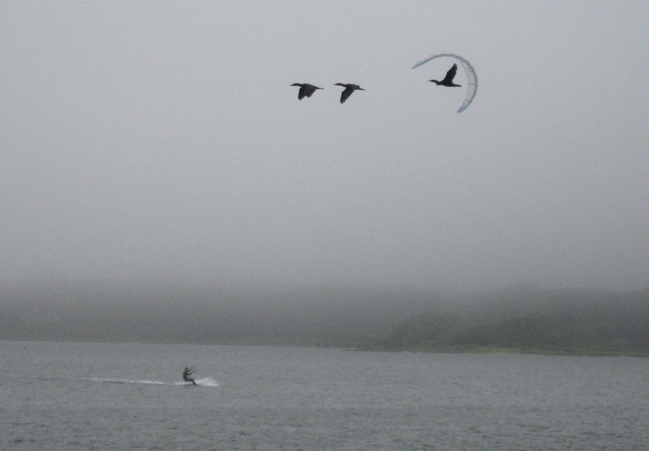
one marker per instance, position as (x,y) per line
(522,319)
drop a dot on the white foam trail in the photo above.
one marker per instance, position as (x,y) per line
(207,382)
(126,381)
(204,382)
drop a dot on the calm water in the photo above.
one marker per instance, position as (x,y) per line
(70,396)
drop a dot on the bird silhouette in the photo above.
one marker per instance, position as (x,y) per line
(349,88)
(448,80)
(305,90)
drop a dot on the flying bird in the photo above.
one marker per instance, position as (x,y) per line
(471,76)
(448,80)
(349,88)
(306,90)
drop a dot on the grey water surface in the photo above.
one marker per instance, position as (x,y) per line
(69,396)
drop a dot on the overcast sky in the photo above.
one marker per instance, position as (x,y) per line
(159,139)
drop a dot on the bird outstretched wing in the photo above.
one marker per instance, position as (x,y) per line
(345,94)
(450,75)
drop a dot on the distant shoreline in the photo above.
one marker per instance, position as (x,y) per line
(574,352)
(431,349)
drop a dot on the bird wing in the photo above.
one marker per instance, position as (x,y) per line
(345,94)
(450,75)
(308,90)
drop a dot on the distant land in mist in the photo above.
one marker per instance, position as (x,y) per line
(516,319)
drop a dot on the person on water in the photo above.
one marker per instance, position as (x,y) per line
(188,372)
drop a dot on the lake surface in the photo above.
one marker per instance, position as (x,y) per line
(68,396)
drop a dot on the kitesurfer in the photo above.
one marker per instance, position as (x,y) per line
(188,372)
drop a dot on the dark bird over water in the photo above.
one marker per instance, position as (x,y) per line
(305,90)
(349,88)
(448,80)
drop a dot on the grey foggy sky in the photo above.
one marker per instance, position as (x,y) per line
(157,140)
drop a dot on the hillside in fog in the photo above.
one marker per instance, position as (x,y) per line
(517,319)
(532,320)
(168,312)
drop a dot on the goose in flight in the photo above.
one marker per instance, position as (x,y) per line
(349,88)
(305,90)
(448,80)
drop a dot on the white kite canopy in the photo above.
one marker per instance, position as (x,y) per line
(472,78)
